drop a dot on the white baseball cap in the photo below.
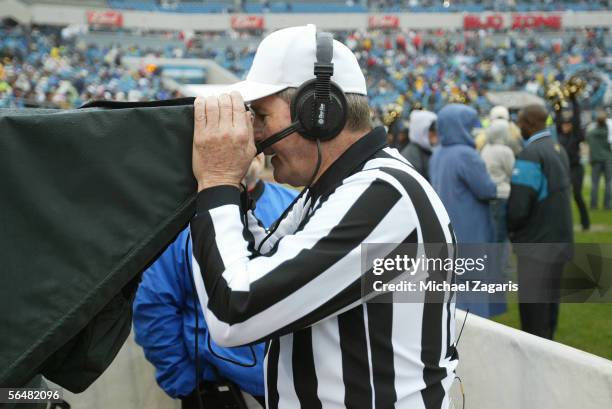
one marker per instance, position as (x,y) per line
(286,58)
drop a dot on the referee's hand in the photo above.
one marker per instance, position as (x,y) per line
(223,142)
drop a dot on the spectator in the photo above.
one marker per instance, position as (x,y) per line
(460,178)
(601,159)
(499,160)
(539,211)
(418,151)
(501,114)
(164,317)
(570,135)
(514,141)
(397,134)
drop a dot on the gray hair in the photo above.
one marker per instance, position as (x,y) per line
(358,115)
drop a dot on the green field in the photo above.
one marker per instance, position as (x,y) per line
(583,326)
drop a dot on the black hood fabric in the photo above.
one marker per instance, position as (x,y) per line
(89,198)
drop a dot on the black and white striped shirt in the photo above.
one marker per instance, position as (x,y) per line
(302,291)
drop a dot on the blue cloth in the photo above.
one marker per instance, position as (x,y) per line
(164,317)
(460,177)
(529,174)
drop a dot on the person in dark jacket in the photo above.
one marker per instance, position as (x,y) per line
(398,135)
(164,316)
(598,139)
(539,211)
(570,135)
(418,151)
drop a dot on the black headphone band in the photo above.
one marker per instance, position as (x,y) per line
(323,68)
(325,47)
(319,105)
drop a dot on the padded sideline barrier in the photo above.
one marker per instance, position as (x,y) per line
(505,368)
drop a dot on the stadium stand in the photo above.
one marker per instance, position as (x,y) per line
(218,6)
(36,70)
(404,68)
(351,6)
(335,6)
(83,3)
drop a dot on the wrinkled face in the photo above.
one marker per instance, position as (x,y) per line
(293,158)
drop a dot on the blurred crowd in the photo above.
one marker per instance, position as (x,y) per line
(427,70)
(39,69)
(430,71)
(405,70)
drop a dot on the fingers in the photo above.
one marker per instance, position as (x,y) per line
(238,110)
(212,112)
(199,117)
(248,117)
(222,116)
(223,140)
(226,111)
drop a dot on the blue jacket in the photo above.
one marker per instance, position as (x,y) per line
(164,316)
(460,177)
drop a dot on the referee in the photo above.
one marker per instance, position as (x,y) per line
(299,288)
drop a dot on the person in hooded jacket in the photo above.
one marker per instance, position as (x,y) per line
(501,114)
(418,151)
(499,160)
(459,176)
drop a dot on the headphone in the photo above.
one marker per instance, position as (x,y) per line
(319,107)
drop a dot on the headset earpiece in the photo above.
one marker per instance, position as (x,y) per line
(304,111)
(319,106)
